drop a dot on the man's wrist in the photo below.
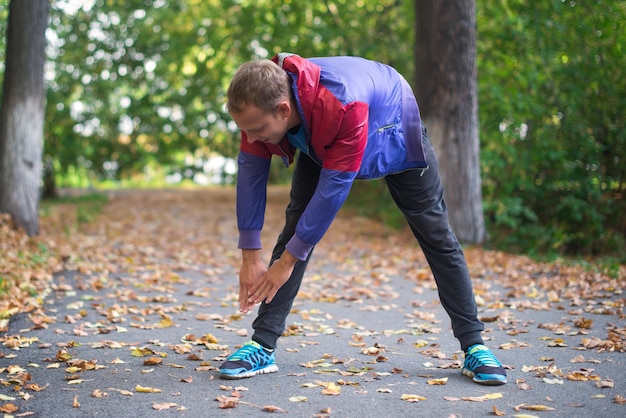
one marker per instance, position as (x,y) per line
(250,256)
(288,259)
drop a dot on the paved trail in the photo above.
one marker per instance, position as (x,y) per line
(147,310)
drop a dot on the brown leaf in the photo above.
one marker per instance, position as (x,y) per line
(152,361)
(498,412)
(271,408)
(8,408)
(98,393)
(226,402)
(163,406)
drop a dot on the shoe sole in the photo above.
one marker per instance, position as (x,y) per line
(269,369)
(472,375)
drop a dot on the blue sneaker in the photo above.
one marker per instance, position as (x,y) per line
(483,367)
(248,361)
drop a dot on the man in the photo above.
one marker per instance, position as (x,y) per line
(350,118)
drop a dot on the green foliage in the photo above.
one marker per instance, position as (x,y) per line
(136,85)
(553,151)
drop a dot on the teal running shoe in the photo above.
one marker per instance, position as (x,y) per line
(248,361)
(483,367)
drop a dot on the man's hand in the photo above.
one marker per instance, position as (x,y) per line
(272,280)
(251,271)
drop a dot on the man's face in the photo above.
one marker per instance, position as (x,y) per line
(261,126)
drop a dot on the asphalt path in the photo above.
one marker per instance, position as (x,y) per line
(363,340)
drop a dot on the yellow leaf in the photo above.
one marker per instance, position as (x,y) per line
(420,344)
(412,398)
(166,322)
(331,389)
(142,389)
(440,381)
(537,408)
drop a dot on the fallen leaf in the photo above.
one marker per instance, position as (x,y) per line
(298,399)
(9,408)
(498,412)
(412,398)
(483,398)
(152,361)
(164,406)
(98,393)
(331,389)
(271,408)
(227,402)
(605,383)
(534,407)
(145,389)
(440,381)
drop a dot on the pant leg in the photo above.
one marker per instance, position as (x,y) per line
(419,195)
(271,319)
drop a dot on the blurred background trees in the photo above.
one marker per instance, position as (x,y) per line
(135,93)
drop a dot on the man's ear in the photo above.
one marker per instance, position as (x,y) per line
(284,108)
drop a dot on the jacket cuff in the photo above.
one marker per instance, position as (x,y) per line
(298,248)
(249,239)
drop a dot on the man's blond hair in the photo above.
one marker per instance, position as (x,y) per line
(260,83)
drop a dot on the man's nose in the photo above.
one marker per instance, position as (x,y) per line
(251,138)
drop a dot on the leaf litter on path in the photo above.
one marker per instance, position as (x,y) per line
(126,274)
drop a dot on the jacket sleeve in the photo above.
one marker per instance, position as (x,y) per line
(340,166)
(252,179)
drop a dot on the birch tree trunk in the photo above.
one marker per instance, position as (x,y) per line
(446,90)
(22,113)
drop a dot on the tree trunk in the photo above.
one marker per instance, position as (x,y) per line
(446,89)
(22,114)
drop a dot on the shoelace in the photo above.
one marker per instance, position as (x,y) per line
(244,352)
(484,357)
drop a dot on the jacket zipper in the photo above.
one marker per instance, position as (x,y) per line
(385,127)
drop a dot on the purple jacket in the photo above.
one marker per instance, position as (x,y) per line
(361,121)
